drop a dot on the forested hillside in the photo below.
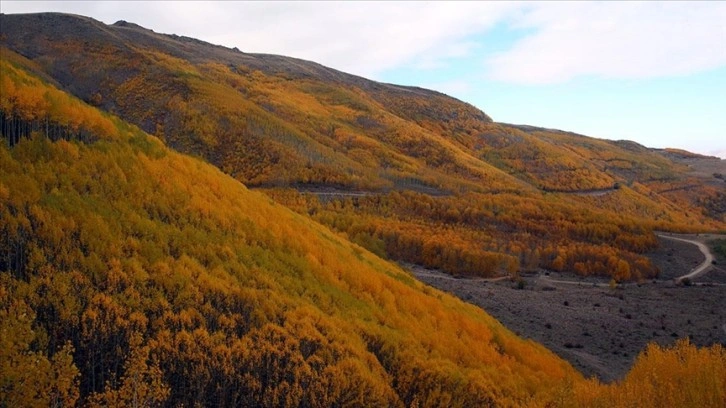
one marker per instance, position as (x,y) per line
(129,269)
(422,177)
(133,275)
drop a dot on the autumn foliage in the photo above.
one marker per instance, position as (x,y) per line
(500,234)
(133,275)
(677,376)
(444,186)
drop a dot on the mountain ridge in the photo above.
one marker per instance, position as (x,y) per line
(256,60)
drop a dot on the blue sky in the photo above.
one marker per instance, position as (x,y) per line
(687,111)
(653,72)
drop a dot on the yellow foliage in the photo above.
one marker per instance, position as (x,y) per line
(678,376)
(133,275)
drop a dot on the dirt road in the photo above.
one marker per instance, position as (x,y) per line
(421,272)
(705,265)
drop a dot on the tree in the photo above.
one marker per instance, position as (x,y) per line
(142,384)
(27,376)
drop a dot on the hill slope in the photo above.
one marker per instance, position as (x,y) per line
(132,274)
(480,198)
(308,114)
(120,246)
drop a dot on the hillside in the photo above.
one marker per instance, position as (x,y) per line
(133,274)
(331,127)
(135,259)
(423,178)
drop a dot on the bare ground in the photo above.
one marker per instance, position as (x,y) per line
(600,330)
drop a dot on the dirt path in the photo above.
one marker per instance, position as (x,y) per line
(700,269)
(595,193)
(340,193)
(546,279)
(589,193)
(422,272)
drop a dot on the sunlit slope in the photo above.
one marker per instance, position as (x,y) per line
(120,246)
(133,275)
(263,119)
(277,121)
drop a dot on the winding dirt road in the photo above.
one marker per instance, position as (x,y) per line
(700,269)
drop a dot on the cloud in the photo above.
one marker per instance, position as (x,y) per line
(369,38)
(365,38)
(623,40)
(566,39)
(442,58)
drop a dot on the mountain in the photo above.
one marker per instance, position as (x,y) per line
(131,273)
(140,261)
(410,174)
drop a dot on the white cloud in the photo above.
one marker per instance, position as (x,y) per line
(364,38)
(369,38)
(625,40)
(568,39)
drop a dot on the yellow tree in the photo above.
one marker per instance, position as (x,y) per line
(27,377)
(142,384)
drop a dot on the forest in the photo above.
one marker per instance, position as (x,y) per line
(132,274)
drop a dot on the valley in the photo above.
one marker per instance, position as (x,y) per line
(598,329)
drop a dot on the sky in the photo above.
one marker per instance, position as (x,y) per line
(652,72)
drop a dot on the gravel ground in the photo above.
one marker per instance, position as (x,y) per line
(600,330)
